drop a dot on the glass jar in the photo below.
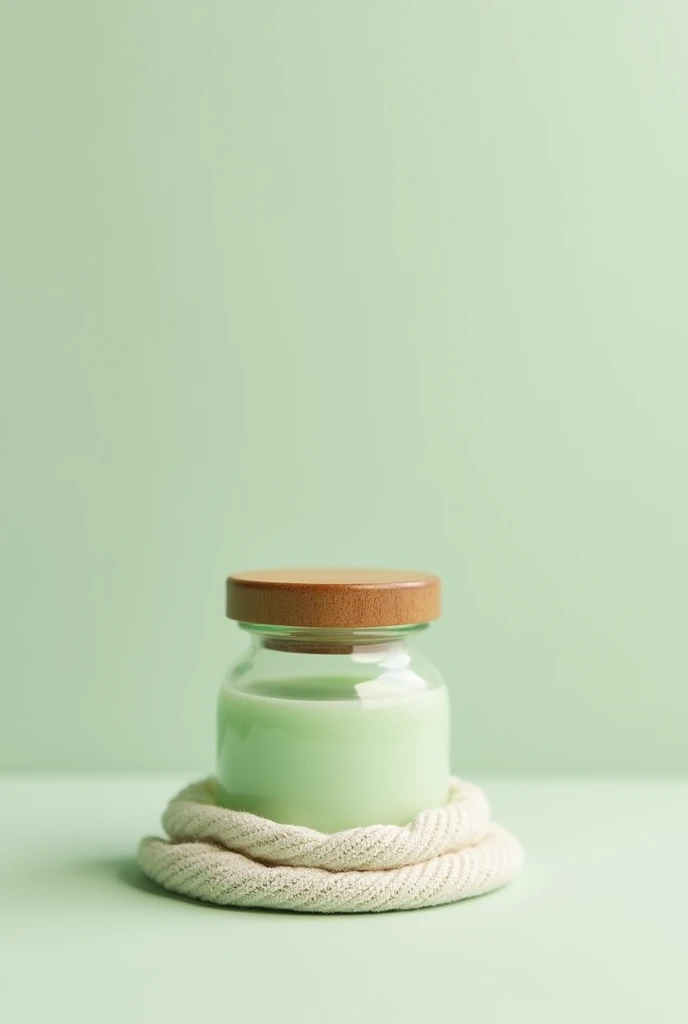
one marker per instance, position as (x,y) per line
(333,718)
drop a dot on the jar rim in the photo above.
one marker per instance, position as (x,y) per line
(329,640)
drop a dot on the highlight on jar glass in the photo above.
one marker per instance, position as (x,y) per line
(333,718)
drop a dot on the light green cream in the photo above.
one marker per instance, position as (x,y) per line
(333,753)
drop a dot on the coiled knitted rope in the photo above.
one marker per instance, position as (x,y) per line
(236,858)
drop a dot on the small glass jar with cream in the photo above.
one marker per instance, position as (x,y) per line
(333,718)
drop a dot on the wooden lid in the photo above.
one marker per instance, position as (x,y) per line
(333,598)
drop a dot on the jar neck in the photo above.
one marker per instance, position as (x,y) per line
(312,640)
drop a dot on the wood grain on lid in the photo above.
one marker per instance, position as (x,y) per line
(334,598)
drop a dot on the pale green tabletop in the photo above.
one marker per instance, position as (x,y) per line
(594,930)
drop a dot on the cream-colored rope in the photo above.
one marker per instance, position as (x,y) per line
(232,857)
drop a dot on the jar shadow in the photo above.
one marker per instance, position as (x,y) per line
(73,878)
(98,876)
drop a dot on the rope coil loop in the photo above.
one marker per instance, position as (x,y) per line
(237,858)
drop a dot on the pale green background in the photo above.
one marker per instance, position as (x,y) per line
(397,283)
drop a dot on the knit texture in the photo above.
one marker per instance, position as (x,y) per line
(236,858)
